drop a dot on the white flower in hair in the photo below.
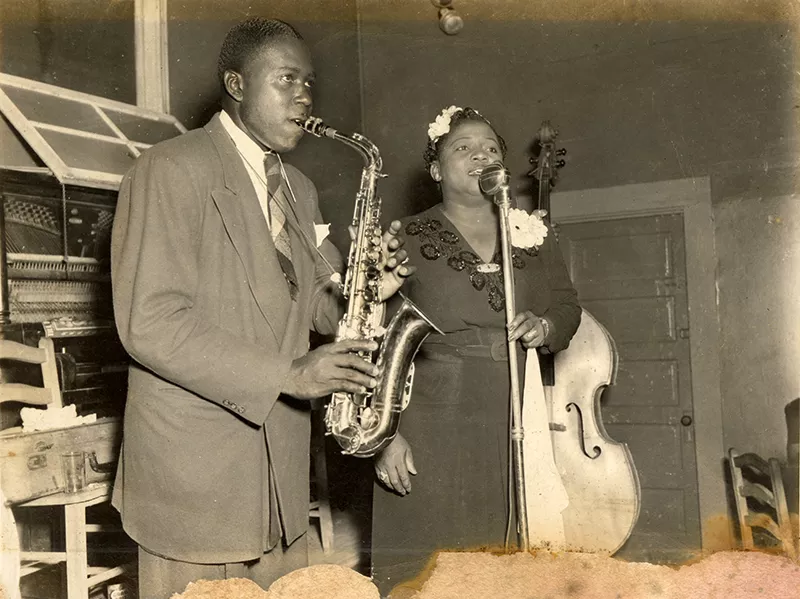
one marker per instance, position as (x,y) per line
(441,126)
(526,230)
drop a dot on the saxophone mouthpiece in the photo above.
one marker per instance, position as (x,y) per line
(315,126)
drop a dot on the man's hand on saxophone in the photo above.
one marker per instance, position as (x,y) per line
(332,368)
(395,268)
(395,260)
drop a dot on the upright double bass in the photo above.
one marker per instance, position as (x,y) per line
(597,472)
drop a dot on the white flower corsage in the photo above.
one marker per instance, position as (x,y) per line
(441,126)
(526,230)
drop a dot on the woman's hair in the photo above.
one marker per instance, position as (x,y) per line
(459,116)
(247,39)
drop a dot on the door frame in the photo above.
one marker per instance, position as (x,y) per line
(692,199)
(151,46)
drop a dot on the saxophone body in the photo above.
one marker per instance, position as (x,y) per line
(363,424)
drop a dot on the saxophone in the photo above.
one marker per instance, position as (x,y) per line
(363,424)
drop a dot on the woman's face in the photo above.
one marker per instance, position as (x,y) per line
(469,147)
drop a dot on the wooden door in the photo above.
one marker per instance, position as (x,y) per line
(630,274)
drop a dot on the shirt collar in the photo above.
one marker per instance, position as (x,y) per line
(249,150)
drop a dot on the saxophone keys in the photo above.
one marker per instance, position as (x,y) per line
(369,418)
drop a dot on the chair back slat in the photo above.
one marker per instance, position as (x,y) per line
(27,394)
(760,480)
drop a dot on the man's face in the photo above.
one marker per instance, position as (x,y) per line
(276,91)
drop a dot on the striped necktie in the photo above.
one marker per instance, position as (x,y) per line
(278,211)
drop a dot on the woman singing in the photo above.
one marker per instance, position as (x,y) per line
(454,437)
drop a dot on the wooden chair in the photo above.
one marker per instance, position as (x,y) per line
(761,500)
(49,394)
(81,577)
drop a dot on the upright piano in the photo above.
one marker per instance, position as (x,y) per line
(62,157)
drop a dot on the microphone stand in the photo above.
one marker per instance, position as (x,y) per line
(494,182)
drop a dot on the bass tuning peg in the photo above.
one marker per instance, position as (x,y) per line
(561,152)
(560,163)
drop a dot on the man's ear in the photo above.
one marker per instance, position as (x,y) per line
(233,85)
(436,175)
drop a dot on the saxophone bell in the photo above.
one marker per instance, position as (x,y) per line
(364,430)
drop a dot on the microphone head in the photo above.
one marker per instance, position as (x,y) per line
(492,178)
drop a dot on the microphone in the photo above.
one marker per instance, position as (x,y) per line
(493,181)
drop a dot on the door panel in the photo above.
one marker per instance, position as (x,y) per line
(631,275)
(635,319)
(645,383)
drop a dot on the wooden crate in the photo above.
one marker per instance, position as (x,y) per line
(30,463)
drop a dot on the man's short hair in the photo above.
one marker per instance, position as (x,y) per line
(246,39)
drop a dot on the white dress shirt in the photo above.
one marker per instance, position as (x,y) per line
(253,157)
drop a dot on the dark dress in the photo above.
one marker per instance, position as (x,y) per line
(457,423)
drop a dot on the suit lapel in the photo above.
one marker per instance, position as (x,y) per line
(247,229)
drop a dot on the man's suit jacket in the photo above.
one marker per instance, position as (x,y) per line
(210,446)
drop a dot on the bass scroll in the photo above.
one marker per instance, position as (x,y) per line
(363,424)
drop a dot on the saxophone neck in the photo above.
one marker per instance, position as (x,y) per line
(368,150)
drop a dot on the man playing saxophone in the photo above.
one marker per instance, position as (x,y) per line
(218,278)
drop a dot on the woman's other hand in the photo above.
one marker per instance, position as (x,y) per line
(531,330)
(394,465)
